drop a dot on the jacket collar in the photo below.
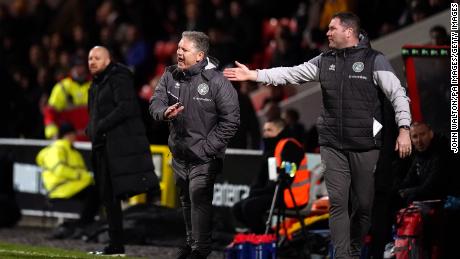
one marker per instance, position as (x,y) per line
(101,77)
(196,68)
(205,64)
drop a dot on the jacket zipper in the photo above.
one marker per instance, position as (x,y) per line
(183,84)
(340,118)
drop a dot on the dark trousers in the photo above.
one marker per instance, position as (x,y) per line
(112,204)
(90,204)
(252,212)
(349,181)
(196,188)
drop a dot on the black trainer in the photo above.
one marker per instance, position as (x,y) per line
(110,251)
(184,252)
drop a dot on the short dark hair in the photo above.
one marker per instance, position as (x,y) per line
(349,20)
(294,114)
(65,128)
(200,40)
(78,61)
(420,123)
(439,29)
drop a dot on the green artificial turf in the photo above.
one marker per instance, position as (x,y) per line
(10,251)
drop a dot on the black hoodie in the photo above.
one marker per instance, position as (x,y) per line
(426,178)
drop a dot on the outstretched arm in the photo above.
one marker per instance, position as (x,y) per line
(308,71)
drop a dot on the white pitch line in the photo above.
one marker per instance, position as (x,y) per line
(35,254)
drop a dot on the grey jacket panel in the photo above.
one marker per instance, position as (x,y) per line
(347,117)
(308,71)
(385,77)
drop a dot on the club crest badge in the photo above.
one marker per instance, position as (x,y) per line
(358,67)
(203,89)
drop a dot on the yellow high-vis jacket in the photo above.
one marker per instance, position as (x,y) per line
(67,95)
(64,170)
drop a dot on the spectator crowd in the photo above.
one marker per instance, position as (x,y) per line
(43,55)
(42,39)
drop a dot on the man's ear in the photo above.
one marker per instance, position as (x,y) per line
(350,32)
(200,56)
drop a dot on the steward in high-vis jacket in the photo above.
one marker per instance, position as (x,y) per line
(300,185)
(252,211)
(202,108)
(68,102)
(65,175)
(354,80)
(64,170)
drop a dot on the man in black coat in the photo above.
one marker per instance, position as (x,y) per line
(203,113)
(120,151)
(426,177)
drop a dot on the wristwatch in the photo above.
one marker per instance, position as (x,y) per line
(404,127)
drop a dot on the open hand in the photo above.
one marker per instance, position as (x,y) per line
(403,143)
(240,73)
